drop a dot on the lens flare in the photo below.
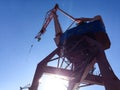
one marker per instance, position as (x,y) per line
(52,82)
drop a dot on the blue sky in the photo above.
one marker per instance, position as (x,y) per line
(20,21)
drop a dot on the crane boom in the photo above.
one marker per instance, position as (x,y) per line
(47,21)
(52,15)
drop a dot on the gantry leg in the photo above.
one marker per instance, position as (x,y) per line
(109,79)
(111,82)
(40,69)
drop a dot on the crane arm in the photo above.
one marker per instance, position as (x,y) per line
(52,15)
(46,22)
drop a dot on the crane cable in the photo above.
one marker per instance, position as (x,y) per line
(70,25)
(31,46)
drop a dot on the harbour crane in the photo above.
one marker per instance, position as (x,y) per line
(78,50)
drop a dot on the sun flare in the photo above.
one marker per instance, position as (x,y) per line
(52,82)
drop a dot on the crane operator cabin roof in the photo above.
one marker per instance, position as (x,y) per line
(86,28)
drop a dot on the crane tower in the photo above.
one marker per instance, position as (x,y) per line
(78,50)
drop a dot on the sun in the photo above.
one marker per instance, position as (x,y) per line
(52,82)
